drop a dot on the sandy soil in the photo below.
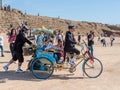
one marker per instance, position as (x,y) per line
(63,80)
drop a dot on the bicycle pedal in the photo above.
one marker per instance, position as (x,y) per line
(72,69)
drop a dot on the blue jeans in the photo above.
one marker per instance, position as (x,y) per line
(111,43)
(57,56)
(91,49)
(11,49)
(2,50)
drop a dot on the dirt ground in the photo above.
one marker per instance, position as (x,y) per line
(63,80)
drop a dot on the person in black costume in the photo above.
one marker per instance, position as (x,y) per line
(18,52)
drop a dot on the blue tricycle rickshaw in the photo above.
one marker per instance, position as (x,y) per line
(42,63)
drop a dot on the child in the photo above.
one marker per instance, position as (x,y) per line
(57,48)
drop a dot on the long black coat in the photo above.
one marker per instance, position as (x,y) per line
(20,41)
(69,41)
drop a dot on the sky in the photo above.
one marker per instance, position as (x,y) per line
(100,11)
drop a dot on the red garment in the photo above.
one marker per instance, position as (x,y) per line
(12,39)
(62,53)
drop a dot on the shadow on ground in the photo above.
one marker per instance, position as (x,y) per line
(27,76)
(12,75)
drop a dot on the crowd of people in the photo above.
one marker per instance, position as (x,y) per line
(65,43)
(104,42)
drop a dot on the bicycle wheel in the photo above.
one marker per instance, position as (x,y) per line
(42,68)
(92,69)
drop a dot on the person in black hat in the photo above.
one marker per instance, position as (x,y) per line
(70,43)
(18,52)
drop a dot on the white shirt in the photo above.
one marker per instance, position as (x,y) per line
(111,37)
(1,41)
(60,37)
(49,46)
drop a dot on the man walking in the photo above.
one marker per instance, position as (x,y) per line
(18,52)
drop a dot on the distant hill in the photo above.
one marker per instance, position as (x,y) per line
(15,17)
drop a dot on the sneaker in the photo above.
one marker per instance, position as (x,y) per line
(60,62)
(72,63)
(19,71)
(5,68)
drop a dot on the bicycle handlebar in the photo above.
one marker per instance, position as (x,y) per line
(84,44)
